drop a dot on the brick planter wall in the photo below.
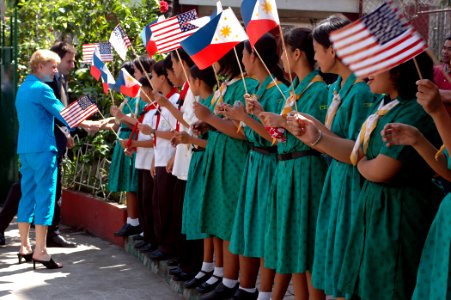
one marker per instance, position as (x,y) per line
(94,215)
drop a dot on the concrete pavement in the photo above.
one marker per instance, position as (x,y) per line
(96,269)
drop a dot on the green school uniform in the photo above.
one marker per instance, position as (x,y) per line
(250,218)
(123,176)
(224,160)
(194,184)
(434,273)
(295,192)
(339,198)
(383,253)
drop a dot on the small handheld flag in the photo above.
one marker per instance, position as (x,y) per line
(259,17)
(214,40)
(167,34)
(126,84)
(78,111)
(377,42)
(120,41)
(105,51)
(99,69)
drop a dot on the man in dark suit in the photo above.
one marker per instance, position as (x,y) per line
(63,140)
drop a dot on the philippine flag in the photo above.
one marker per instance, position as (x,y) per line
(215,39)
(259,17)
(127,85)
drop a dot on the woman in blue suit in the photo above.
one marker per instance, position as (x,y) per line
(37,108)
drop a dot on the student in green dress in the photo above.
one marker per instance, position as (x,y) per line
(248,232)
(201,85)
(434,273)
(225,157)
(398,200)
(349,101)
(298,180)
(123,176)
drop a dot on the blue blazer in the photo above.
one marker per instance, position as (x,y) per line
(37,107)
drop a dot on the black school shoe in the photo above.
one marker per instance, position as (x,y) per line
(2,239)
(158,255)
(204,288)
(128,230)
(243,295)
(221,292)
(195,282)
(183,276)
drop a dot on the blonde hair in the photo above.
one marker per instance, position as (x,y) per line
(42,57)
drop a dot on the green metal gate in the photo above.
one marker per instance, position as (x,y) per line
(8,118)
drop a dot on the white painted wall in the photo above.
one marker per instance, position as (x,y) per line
(348,6)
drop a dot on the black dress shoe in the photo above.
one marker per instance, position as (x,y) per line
(2,239)
(158,255)
(128,230)
(58,241)
(221,292)
(183,276)
(175,271)
(243,295)
(138,237)
(140,244)
(173,262)
(204,288)
(148,248)
(195,282)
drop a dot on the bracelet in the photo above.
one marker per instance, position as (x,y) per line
(318,139)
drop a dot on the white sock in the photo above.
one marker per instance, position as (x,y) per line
(252,290)
(133,222)
(206,267)
(230,283)
(219,271)
(264,296)
(142,234)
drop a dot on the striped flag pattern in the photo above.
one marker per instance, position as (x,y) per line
(120,41)
(78,111)
(106,53)
(377,42)
(168,33)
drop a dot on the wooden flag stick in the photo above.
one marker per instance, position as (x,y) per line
(269,72)
(418,68)
(244,81)
(284,49)
(181,63)
(241,69)
(144,70)
(112,129)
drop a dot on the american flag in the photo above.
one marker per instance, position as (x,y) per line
(106,53)
(78,111)
(120,41)
(168,34)
(377,42)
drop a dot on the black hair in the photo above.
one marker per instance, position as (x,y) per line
(325,27)
(448,38)
(128,66)
(405,75)
(301,38)
(160,68)
(61,48)
(146,62)
(207,75)
(230,66)
(144,82)
(183,56)
(267,48)
(167,62)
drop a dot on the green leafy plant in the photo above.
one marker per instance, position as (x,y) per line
(41,23)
